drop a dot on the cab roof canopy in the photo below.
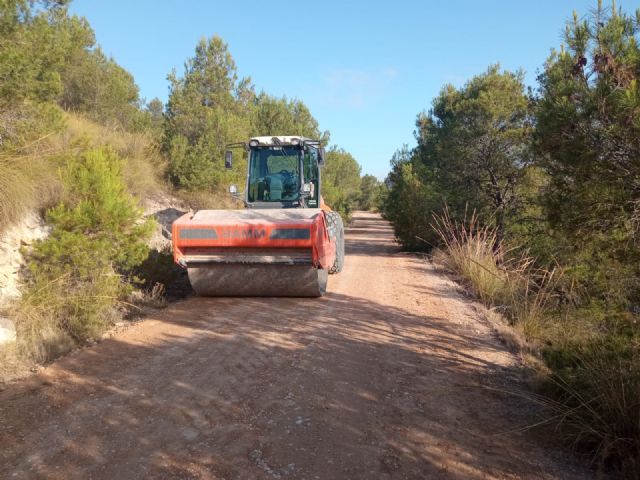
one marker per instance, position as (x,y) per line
(281,140)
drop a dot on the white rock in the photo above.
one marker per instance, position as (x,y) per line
(12,239)
(7,331)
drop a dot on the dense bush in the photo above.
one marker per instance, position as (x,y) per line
(409,203)
(96,234)
(588,135)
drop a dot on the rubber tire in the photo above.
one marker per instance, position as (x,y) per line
(336,232)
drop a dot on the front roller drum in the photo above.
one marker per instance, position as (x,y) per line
(257,280)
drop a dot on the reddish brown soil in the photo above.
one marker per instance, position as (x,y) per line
(391,375)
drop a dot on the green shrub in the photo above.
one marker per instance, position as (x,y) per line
(96,233)
(596,385)
(408,205)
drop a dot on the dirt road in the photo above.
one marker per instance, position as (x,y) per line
(391,375)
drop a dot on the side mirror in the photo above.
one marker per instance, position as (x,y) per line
(233,189)
(321,156)
(228,159)
(306,188)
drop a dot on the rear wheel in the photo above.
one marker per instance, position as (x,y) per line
(336,232)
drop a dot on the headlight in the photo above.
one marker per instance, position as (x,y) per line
(254,143)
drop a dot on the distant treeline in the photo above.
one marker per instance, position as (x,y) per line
(553,173)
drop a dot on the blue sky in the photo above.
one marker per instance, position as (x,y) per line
(364,68)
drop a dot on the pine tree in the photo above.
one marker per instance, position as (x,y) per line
(208,108)
(588,134)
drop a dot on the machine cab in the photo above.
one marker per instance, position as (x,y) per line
(283,172)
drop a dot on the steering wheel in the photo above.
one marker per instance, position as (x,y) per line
(285,172)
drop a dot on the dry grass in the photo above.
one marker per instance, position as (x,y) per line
(54,316)
(590,376)
(471,252)
(144,166)
(511,284)
(203,200)
(592,396)
(28,181)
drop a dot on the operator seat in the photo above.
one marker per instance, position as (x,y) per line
(275,187)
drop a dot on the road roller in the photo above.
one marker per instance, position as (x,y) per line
(284,242)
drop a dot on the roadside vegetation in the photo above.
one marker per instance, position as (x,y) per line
(80,146)
(532,198)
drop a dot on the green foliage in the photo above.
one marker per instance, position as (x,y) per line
(588,134)
(474,143)
(371,193)
(155,111)
(26,55)
(597,384)
(473,149)
(279,116)
(29,61)
(207,109)
(98,212)
(48,56)
(98,86)
(341,181)
(95,233)
(409,203)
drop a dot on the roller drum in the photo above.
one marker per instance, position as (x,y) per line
(257,280)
